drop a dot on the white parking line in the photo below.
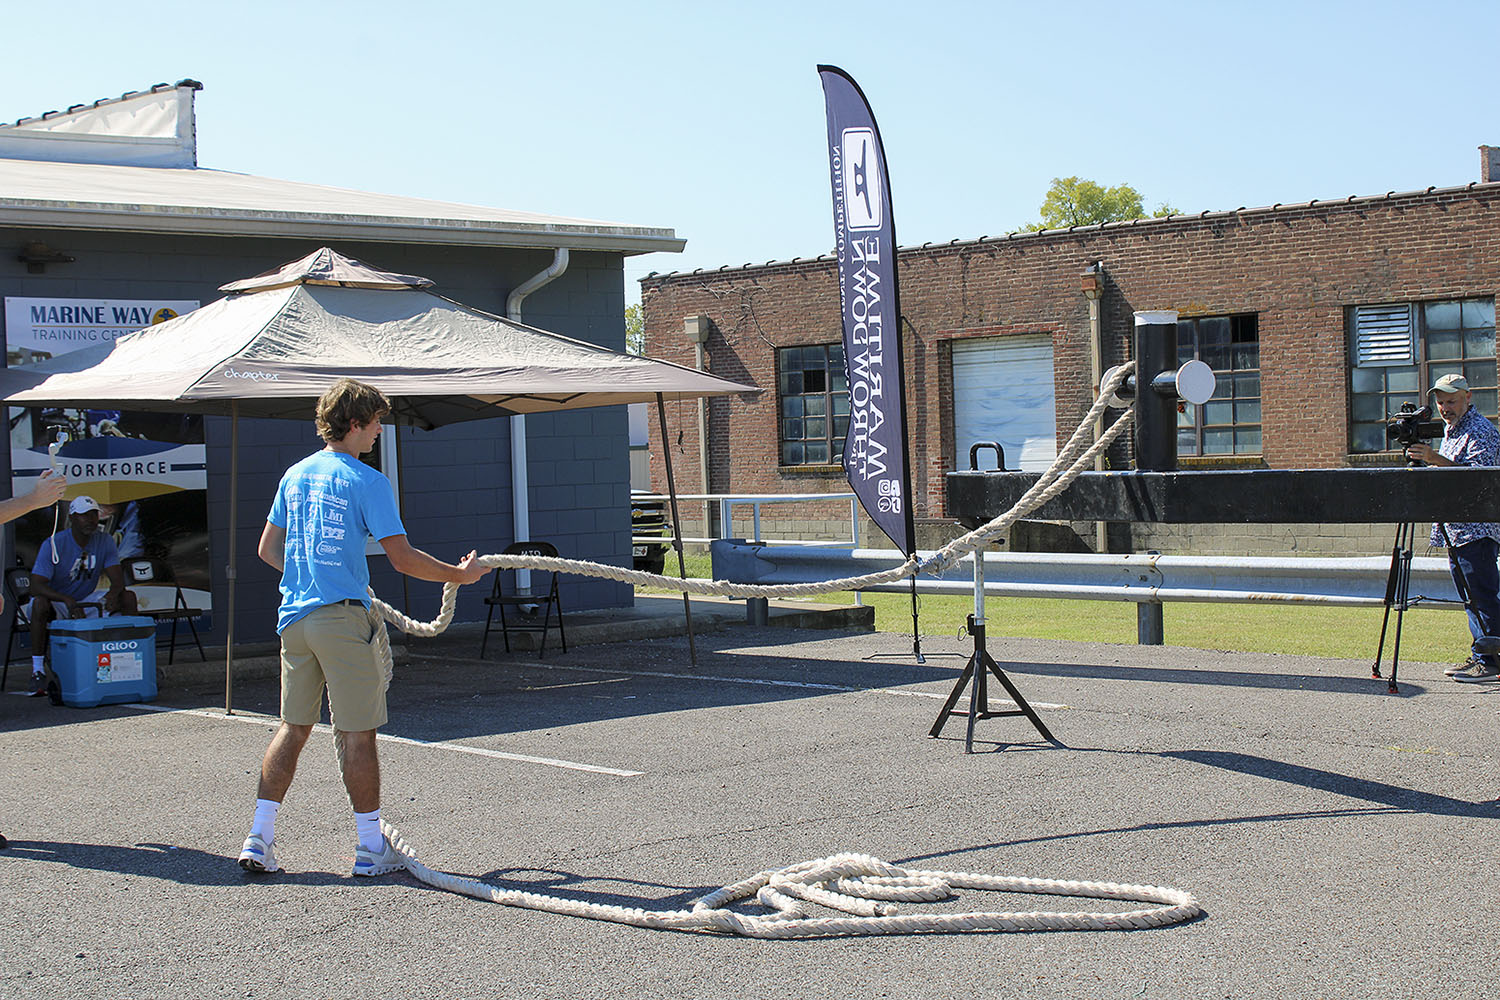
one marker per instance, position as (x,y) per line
(761,681)
(256,718)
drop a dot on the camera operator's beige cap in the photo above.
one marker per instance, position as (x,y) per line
(1452,382)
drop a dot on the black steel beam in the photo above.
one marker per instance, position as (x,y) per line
(1256,496)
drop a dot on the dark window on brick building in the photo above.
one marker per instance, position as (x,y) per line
(1229,423)
(1398,351)
(814,404)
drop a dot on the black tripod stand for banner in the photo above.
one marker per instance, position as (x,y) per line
(1398,596)
(976,676)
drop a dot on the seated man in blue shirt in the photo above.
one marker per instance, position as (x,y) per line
(66,576)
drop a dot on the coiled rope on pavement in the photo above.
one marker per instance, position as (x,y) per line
(862,888)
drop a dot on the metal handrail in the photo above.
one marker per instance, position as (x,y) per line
(728,501)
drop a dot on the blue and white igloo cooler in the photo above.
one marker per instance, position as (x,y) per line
(104,661)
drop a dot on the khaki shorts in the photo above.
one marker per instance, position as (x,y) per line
(333,647)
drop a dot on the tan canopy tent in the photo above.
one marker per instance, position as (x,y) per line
(277,341)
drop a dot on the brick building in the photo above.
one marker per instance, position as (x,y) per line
(1318,318)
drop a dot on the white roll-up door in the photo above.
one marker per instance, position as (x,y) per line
(1002,391)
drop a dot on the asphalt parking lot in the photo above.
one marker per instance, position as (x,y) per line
(1336,835)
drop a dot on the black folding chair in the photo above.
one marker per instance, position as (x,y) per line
(142,569)
(18,593)
(499,599)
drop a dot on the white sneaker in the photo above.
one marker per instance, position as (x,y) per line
(382,862)
(258,856)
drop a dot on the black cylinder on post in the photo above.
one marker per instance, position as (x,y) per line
(1155,412)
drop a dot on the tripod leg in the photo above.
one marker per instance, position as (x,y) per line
(977,699)
(953,696)
(1390,595)
(1021,702)
(1403,592)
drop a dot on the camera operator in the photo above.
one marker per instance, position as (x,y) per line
(1468,439)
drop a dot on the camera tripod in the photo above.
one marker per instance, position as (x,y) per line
(1398,596)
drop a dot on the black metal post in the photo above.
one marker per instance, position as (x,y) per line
(1155,411)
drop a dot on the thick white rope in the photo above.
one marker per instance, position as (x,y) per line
(861,890)
(862,887)
(1068,465)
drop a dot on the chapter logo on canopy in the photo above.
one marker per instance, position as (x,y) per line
(251,376)
(862,200)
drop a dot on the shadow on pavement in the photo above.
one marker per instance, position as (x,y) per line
(1221,678)
(1383,799)
(184,865)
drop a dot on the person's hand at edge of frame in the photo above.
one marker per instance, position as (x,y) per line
(50,488)
(471,571)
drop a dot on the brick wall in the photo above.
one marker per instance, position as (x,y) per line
(1298,268)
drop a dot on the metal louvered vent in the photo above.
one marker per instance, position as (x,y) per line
(1383,335)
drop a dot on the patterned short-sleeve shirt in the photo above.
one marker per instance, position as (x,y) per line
(1472,441)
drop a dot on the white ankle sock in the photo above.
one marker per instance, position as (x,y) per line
(368,825)
(38,665)
(264,824)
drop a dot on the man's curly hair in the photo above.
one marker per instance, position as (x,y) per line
(347,403)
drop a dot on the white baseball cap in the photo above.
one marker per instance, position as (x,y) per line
(82,505)
(1452,382)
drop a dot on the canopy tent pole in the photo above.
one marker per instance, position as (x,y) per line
(401,509)
(234,501)
(666,452)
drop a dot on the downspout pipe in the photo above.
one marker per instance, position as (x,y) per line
(520,482)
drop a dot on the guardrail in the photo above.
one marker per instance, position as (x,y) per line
(1144,579)
(1140,578)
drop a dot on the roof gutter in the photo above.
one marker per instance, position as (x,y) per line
(520,481)
(188,221)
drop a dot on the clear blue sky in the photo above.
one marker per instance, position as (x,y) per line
(708,118)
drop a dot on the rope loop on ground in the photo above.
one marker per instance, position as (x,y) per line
(861,892)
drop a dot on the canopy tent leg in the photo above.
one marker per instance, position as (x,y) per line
(666,452)
(234,502)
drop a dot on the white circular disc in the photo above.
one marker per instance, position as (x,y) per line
(1195,382)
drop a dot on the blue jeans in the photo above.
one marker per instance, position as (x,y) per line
(1476,560)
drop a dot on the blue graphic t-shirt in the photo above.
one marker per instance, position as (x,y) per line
(78,568)
(329,503)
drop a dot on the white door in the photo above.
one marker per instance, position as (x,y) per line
(1002,392)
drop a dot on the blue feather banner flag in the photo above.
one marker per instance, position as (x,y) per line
(875,453)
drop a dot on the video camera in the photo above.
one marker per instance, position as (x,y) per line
(1409,425)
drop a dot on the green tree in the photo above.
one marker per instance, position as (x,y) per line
(1072,201)
(635,330)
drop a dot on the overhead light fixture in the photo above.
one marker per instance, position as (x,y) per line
(37,255)
(1093,281)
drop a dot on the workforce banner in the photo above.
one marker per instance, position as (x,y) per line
(147,471)
(875,455)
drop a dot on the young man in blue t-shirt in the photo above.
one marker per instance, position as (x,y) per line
(66,577)
(325,508)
